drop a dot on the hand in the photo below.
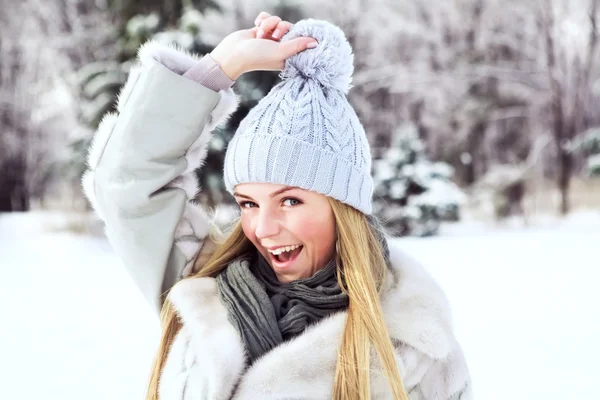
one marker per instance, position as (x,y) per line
(259,48)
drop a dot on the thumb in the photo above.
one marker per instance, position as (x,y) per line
(295,46)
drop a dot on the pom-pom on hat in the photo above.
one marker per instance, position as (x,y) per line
(304,133)
(331,64)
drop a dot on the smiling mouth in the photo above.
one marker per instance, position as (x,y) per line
(286,258)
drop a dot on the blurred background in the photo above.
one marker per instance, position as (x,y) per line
(483,120)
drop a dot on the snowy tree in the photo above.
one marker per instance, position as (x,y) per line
(594,164)
(412,194)
(589,144)
(481,79)
(41,44)
(101,80)
(570,54)
(503,187)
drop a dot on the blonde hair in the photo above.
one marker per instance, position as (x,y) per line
(364,270)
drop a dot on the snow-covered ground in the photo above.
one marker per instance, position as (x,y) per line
(526,306)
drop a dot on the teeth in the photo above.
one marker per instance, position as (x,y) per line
(282,249)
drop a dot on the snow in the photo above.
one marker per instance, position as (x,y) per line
(191,20)
(184,40)
(74,325)
(141,25)
(525,306)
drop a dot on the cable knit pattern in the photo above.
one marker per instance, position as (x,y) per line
(304,133)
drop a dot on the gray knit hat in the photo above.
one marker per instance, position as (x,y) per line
(304,133)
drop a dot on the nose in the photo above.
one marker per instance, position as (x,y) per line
(267,225)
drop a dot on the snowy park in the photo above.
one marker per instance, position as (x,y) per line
(525,304)
(482,122)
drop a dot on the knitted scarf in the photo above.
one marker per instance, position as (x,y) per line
(266,312)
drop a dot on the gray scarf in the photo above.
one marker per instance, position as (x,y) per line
(266,312)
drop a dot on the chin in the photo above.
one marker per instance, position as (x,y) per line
(286,278)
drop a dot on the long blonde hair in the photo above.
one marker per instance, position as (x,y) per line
(362,276)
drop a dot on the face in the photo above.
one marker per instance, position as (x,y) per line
(277,218)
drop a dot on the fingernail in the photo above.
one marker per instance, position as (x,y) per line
(311,45)
(260,33)
(276,33)
(257,22)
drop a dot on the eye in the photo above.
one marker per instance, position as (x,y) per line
(246,204)
(291,201)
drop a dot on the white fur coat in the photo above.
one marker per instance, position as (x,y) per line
(141,182)
(207,358)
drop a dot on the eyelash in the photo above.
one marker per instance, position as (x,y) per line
(242,204)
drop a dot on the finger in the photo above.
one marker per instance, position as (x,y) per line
(267,26)
(295,46)
(282,28)
(260,17)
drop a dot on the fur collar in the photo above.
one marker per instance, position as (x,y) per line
(415,309)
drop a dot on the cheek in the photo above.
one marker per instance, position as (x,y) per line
(248,228)
(319,231)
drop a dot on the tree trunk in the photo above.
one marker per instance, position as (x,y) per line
(564,179)
(475,148)
(558,111)
(13,188)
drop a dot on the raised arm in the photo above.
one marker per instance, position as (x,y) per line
(140,178)
(141,164)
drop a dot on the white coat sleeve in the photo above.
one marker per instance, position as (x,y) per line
(140,178)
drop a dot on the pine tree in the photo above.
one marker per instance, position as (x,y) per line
(589,143)
(412,194)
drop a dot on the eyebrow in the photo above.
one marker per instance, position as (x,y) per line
(275,193)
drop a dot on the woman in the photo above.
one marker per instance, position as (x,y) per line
(303,299)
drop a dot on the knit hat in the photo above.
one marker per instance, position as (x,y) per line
(304,133)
